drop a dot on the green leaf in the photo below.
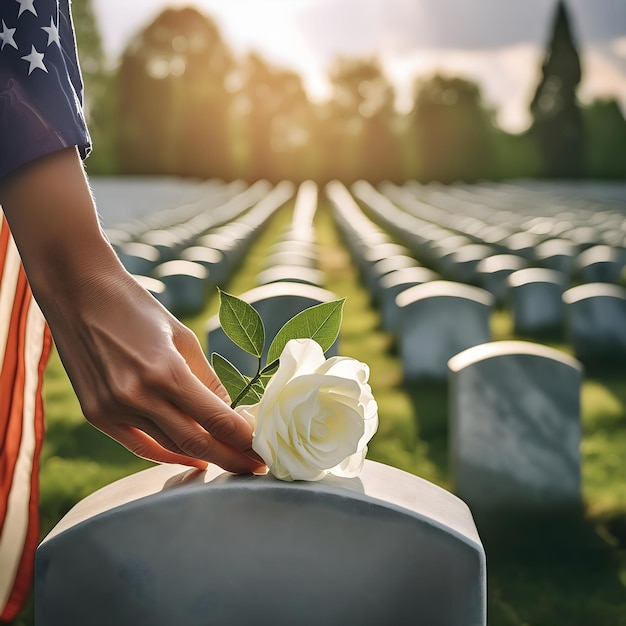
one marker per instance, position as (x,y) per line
(242,324)
(234,381)
(320,322)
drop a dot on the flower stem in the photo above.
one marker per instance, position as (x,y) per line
(260,372)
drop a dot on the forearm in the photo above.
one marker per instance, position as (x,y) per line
(52,216)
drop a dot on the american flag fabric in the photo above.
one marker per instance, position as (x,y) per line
(24,347)
(40,112)
(40,82)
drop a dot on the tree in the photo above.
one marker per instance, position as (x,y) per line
(452,128)
(557,120)
(275,116)
(99,95)
(605,129)
(173,103)
(360,141)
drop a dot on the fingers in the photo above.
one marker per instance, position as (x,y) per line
(217,418)
(142,445)
(173,437)
(189,347)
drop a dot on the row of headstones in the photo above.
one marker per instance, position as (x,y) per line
(294,257)
(289,282)
(522,393)
(181,264)
(589,252)
(593,315)
(579,212)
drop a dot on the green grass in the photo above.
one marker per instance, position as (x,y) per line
(539,573)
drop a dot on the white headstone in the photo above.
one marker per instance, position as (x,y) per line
(515,428)
(176,546)
(395,282)
(596,323)
(437,320)
(186,283)
(276,303)
(535,297)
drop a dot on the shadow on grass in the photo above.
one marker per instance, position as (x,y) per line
(429,400)
(83,441)
(542,570)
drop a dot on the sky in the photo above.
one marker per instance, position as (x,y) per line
(497,43)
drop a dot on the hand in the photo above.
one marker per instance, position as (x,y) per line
(139,374)
(142,378)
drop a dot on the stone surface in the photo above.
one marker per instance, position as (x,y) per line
(492,273)
(515,428)
(291,273)
(557,254)
(138,258)
(395,282)
(535,298)
(186,284)
(437,320)
(157,288)
(599,264)
(212,259)
(171,545)
(596,323)
(276,303)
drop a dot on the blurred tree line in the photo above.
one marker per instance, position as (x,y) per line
(180,103)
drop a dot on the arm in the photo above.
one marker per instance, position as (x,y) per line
(139,374)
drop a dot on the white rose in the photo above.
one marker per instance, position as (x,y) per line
(316,416)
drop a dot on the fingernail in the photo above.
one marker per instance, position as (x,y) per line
(261,471)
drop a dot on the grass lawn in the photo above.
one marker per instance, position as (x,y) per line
(539,573)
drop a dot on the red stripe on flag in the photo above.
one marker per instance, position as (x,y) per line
(21,416)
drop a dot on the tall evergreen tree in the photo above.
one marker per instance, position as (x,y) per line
(557,119)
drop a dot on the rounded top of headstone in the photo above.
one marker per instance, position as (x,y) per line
(598,254)
(384,484)
(555,247)
(202,254)
(408,276)
(594,290)
(384,251)
(536,275)
(291,273)
(444,288)
(495,349)
(395,262)
(161,237)
(180,267)
(153,285)
(501,262)
(141,250)
(473,252)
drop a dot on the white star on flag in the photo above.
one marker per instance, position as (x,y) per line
(35,59)
(53,33)
(7,36)
(26,5)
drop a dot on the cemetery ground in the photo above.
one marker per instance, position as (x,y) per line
(540,572)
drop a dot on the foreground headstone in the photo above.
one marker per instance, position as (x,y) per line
(515,428)
(276,303)
(171,545)
(596,323)
(438,319)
